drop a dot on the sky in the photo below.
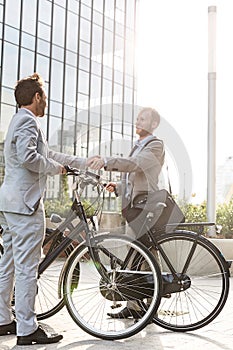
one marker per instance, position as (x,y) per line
(172,76)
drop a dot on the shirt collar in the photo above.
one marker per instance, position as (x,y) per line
(142,143)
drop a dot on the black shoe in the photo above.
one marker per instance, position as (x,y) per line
(39,337)
(126,313)
(8,328)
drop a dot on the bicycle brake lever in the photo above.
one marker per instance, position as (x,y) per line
(71,171)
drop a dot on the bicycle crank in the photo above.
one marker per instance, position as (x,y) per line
(175,283)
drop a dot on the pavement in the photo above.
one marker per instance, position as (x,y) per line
(216,335)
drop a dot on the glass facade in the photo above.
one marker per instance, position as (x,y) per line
(85,52)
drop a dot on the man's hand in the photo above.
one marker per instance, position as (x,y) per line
(62,170)
(111,187)
(95,163)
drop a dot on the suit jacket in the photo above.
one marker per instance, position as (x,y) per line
(143,167)
(28,161)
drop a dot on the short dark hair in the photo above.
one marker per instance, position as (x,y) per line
(155,116)
(26,88)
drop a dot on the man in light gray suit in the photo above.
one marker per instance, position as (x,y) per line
(141,173)
(28,162)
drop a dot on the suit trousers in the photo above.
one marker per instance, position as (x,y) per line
(22,240)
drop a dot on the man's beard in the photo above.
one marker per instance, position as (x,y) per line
(143,132)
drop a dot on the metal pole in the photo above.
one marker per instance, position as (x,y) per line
(211,165)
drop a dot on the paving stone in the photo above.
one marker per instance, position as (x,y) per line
(215,336)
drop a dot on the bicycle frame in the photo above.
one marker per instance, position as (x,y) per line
(77,210)
(172,281)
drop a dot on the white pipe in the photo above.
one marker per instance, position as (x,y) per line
(211,162)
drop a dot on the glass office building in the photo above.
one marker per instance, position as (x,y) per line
(84,49)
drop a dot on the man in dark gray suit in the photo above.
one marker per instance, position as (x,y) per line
(28,162)
(141,173)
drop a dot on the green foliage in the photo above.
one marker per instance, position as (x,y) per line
(64,190)
(224,216)
(195,212)
(62,205)
(57,207)
(62,208)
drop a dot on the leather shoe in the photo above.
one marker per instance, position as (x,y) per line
(126,313)
(39,337)
(8,328)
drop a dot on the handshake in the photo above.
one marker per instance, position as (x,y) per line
(95,162)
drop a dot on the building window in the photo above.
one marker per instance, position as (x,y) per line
(88,68)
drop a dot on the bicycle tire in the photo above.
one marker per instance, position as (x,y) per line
(89,299)
(208,276)
(49,299)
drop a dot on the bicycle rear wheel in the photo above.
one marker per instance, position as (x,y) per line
(49,299)
(205,282)
(89,297)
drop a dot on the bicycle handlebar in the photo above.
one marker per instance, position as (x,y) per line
(87,175)
(77,172)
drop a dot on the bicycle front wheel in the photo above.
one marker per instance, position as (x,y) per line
(121,271)
(201,279)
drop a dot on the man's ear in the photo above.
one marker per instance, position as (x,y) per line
(155,124)
(37,97)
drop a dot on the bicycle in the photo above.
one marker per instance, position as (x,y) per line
(97,275)
(195,277)
(193,271)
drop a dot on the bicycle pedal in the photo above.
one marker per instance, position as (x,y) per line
(116,306)
(167,296)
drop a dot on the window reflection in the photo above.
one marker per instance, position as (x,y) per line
(43,66)
(97,42)
(72,32)
(45,11)
(12,12)
(98,5)
(43,47)
(85,11)
(83,82)
(95,86)
(8,96)
(67,137)
(84,63)
(7,113)
(10,58)
(58,25)
(29,16)
(58,53)
(54,133)
(71,58)
(69,112)
(12,35)
(55,108)
(56,80)
(44,31)
(70,86)
(85,29)
(84,48)
(73,5)
(27,62)
(28,41)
